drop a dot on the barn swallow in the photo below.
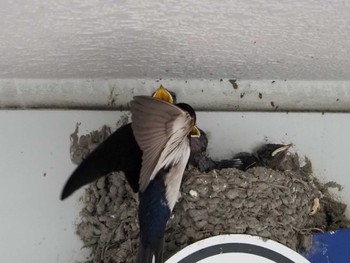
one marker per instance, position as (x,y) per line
(119,152)
(268,155)
(272,155)
(163,131)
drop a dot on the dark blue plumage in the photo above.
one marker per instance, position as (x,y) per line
(154,214)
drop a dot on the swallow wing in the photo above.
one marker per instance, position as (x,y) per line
(161,130)
(119,152)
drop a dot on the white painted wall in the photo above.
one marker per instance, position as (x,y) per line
(256,39)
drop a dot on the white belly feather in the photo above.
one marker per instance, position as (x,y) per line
(174,177)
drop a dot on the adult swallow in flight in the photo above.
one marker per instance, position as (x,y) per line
(119,152)
(163,131)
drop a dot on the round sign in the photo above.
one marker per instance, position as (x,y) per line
(237,248)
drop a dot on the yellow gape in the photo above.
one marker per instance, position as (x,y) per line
(195,132)
(163,94)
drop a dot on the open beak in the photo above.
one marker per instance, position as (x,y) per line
(163,94)
(195,132)
(283,148)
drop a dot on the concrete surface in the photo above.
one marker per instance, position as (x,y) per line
(34,162)
(257,39)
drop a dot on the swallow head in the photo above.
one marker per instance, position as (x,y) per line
(195,132)
(199,144)
(272,155)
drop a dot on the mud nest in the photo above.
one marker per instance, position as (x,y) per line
(271,204)
(285,206)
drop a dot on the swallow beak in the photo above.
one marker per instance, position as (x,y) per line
(195,132)
(163,94)
(281,149)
